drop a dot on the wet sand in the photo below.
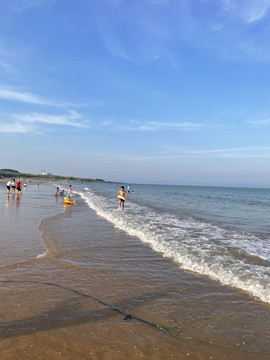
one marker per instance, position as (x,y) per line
(71,302)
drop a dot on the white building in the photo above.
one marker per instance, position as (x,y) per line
(43,172)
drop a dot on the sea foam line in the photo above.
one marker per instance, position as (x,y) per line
(255,285)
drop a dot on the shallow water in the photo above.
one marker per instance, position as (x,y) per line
(59,305)
(20,216)
(217,232)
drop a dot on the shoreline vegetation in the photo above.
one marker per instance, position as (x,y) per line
(9,173)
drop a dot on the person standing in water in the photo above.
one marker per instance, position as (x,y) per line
(69,192)
(19,186)
(122,196)
(13,185)
(9,186)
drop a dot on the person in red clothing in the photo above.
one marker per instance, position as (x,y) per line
(19,186)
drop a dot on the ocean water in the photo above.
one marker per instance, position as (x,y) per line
(221,233)
(57,261)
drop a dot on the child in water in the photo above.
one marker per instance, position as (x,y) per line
(69,192)
(122,196)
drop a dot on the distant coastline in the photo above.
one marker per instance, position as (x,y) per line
(9,173)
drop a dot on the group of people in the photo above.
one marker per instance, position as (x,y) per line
(61,193)
(12,185)
(122,195)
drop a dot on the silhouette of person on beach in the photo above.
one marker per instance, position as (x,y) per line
(57,191)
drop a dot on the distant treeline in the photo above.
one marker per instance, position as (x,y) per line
(9,173)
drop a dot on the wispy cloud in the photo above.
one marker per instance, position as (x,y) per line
(5,66)
(230,153)
(31,122)
(260,122)
(17,128)
(175,126)
(7,93)
(226,27)
(73,119)
(29,98)
(20,6)
(249,11)
(156,126)
(113,42)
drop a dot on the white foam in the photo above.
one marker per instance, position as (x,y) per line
(41,255)
(206,249)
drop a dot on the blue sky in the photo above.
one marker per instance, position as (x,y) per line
(149,91)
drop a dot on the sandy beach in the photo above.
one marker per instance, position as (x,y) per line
(69,279)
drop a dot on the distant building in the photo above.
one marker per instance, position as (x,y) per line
(43,172)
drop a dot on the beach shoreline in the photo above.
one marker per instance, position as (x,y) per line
(50,312)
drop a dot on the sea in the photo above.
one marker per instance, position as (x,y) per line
(181,273)
(219,232)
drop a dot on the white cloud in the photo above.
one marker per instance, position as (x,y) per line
(5,66)
(253,151)
(17,128)
(229,153)
(73,119)
(248,11)
(261,122)
(177,126)
(29,98)
(7,93)
(155,126)
(225,27)
(32,122)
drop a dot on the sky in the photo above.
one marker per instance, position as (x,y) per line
(137,91)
